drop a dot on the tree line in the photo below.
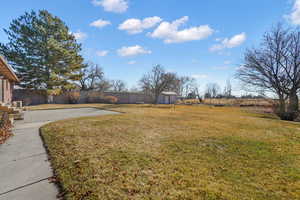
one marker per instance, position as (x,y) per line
(46,56)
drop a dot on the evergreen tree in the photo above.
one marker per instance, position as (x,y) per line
(43,52)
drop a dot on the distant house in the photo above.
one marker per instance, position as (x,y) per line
(8,79)
(168,98)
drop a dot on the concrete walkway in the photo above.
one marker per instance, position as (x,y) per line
(24,165)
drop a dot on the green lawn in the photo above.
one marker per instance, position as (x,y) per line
(190,152)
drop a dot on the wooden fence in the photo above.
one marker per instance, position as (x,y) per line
(36,97)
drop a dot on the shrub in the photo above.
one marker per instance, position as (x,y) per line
(94,97)
(5,128)
(192,101)
(73,97)
(179,102)
(282,111)
(110,99)
(188,101)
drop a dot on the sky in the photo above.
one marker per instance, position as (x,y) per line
(204,39)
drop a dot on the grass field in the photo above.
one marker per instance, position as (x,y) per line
(190,152)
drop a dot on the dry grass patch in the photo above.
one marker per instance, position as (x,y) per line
(240,102)
(192,152)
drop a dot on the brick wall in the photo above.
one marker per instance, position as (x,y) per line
(6,88)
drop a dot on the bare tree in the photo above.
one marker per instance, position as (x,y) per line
(92,74)
(275,67)
(118,86)
(103,85)
(157,81)
(184,85)
(194,89)
(212,90)
(228,89)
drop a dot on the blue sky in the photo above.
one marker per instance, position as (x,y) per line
(203,39)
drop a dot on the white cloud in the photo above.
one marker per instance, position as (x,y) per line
(102,53)
(168,31)
(132,51)
(199,76)
(117,6)
(132,62)
(100,23)
(294,17)
(229,43)
(235,41)
(79,35)
(134,26)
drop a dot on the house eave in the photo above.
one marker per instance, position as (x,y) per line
(7,71)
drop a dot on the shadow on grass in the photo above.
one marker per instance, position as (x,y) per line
(270,116)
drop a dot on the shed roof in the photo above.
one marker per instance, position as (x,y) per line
(7,71)
(169,93)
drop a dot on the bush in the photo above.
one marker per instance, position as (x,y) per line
(94,97)
(5,128)
(188,101)
(283,113)
(73,97)
(110,99)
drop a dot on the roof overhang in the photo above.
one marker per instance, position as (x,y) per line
(7,71)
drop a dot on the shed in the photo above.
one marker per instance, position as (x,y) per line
(8,79)
(168,98)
